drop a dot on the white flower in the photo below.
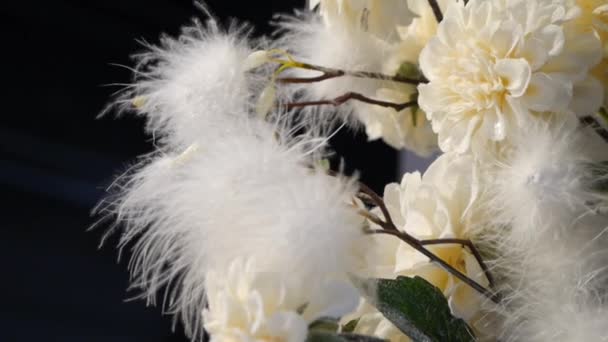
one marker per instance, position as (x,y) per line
(407,128)
(244,306)
(251,306)
(495,65)
(378,17)
(415,35)
(371,322)
(437,205)
(355,35)
(594,17)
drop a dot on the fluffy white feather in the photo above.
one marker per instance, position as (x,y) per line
(548,222)
(249,194)
(187,86)
(340,45)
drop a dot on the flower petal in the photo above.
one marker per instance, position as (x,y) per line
(515,73)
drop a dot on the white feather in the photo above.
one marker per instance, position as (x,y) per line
(249,194)
(340,46)
(187,86)
(548,225)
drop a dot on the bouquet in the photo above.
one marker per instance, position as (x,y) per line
(240,225)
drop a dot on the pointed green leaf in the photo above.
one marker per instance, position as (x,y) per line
(418,309)
(350,326)
(325,324)
(321,336)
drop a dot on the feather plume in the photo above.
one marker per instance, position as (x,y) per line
(548,223)
(224,184)
(186,87)
(341,46)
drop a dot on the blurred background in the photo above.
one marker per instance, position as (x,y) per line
(57,158)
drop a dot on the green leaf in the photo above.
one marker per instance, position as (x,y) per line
(409,70)
(603,113)
(320,336)
(417,308)
(324,324)
(350,326)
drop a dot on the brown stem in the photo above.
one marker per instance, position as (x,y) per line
(436,10)
(417,245)
(471,247)
(329,73)
(351,96)
(597,127)
(388,227)
(380,203)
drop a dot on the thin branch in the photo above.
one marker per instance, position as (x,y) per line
(417,245)
(471,247)
(329,73)
(436,10)
(597,127)
(351,96)
(379,202)
(389,228)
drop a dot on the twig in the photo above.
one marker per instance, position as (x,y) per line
(417,245)
(329,73)
(389,228)
(597,127)
(471,247)
(351,96)
(436,10)
(379,202)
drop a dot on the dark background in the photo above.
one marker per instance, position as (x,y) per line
(56,159)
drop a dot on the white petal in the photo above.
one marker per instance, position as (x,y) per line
(255,59)
(547,93)
(288,326)
(335,299)
(266,101)
(587,97)
(515,73)
(457,136)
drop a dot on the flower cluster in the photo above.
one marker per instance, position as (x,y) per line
(238,217)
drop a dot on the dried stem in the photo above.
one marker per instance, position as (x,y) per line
(380,204)
(597,127)
(329,73)
(418,245)
(471,247)
(351,96)
(436,10)
(388,227)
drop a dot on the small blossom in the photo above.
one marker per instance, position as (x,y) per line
(243,306)
(255,59)
(434,206)
(247,305)
(594,17)
(407,128)
(266,100)
(496,65)
(378,17)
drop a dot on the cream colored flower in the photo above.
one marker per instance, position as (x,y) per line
(436,205)
(407,128)
(378,17)
(496,65)
(372,323)
(594,17)
(245,305)
(415,35)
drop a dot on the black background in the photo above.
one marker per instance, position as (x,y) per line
(56,159)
